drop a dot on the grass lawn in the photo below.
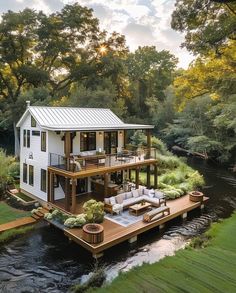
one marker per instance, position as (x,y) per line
(6,236)
(209,269)
(24,197)
(8,213)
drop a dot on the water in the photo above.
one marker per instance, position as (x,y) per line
(45,261)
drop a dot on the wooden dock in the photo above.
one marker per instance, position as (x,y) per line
(115,233)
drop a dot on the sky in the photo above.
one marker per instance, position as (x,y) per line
(143,22)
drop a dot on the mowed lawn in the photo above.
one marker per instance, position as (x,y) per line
(8,213)
(209,269)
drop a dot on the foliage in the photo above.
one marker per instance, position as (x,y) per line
(204,270)
(14,170)
(57,215)
(77,221)
(94,211)
(208,24)
(5,163)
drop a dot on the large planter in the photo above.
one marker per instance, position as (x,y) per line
(196,196)
(93,233)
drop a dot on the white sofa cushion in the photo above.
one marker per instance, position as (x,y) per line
(131,201)
(159,194)
(140,191)
(120,198)
(128,195)
(146,191)
(107,200)
(135,193)
(112,200)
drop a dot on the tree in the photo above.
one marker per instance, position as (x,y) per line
(208,24)
(150,72)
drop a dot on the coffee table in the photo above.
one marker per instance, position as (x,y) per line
(139,208)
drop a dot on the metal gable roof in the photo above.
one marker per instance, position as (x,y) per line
(68,118)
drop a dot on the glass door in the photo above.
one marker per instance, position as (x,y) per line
(110,142)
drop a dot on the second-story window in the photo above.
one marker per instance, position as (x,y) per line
(43,141)
(24,137)
(87,141)
(33,122)
(28,138)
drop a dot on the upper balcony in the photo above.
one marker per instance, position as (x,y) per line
(94,161)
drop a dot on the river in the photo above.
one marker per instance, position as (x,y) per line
(45,261)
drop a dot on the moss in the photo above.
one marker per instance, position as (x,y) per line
(9,235)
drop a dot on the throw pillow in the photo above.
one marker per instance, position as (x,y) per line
(146,191)
(159,194)
(112,200)
(140,191)
(128,195)
(135,193)
(119,198)
(107,200)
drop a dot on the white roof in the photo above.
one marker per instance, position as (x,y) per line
(68,118)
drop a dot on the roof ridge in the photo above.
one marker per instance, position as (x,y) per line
(69,107)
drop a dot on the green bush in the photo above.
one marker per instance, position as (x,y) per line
(77,221)
(94,211)
(14,170)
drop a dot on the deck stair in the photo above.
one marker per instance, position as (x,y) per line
(39,214)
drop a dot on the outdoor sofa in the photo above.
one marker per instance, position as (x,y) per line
(126,199)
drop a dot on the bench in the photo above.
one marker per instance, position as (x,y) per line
(153,214)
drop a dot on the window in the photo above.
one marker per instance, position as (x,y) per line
(35,133)
(24,138)
(87,141)
(31,175)
(28,138)
(33,122)
(43,180)
(43,141)
(25,173)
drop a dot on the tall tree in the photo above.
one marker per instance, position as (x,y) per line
(207,24)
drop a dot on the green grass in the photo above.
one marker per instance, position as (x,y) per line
(14,233)
(210,269)
(8,213)
(24,197)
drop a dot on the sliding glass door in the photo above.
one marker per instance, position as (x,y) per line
(110,142)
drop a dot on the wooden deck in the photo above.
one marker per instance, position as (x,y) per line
(17,223)
(115,233)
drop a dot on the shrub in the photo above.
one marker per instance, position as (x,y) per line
(77,221)
(14,170)
(94,211)
(70,222)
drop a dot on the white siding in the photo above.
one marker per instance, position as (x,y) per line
(39,161)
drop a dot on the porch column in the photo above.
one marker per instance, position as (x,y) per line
(155,176)
(105,184)
(148,177)
(67,194)
(51,187)
(125,138)
(129,174)
(73,196)
(148,133)
(67,148)
(48,187)
(137,178)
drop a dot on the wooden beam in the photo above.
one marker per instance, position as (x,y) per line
(155,176)
(67,148)
(148,177)
(137,178)
(73,196)
(48,186)
(105,184)
(125,138)
(67,194)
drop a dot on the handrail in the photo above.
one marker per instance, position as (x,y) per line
(77,163)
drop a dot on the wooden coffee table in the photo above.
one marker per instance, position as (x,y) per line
(139,208)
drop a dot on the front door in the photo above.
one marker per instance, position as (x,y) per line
(110,142)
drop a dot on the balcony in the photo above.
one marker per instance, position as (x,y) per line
(92,161)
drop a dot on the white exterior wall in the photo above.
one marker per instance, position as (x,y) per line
(39,161)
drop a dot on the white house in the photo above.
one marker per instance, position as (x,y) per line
(55,139)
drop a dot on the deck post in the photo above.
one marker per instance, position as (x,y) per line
(125,138)
(162,226)
(67,194)
(129,174)
(148,177)
(98,255)
(184,216)
(133,239)
(48,187)
(51,187)
(67,147)
(148,132)
(155,176)
(105,184)
(73,196)
(137,178)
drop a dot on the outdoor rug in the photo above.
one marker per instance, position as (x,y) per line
(124,219)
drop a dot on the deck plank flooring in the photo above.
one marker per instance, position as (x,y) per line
(17,223)
(115,233)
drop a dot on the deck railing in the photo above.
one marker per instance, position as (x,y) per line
(77,163)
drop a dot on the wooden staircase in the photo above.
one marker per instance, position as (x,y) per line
(39,215)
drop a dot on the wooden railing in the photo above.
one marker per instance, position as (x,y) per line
(77,163)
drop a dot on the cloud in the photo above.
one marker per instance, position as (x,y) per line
(144,22)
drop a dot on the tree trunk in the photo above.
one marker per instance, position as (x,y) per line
(17,141)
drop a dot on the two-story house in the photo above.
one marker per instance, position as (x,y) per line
(67,152)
